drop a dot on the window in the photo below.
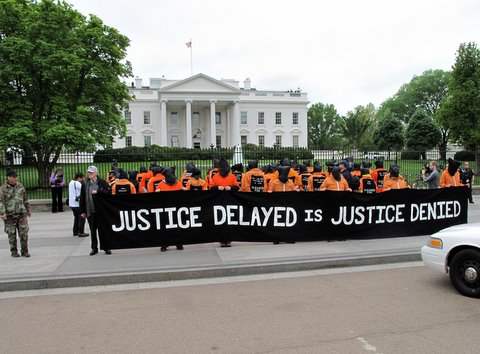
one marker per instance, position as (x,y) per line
(196,120)
(219,141)
(243,117)
(175,141)
(261,117)
(174,118)
(146,117)
(128,141)
(128,116)
(261,140)
(147,140)
(278,140)
(295,141)
(278,118)
(218,118)
(243,139)
(196,145)
(295,118)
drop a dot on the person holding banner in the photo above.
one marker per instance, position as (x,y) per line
(395,180)
(451,176)
(283,183)
(169,184)
(317,178)
(93,185)
(224,179)
(335,182)
(379,174)
(196,183)
(155,180)
(254,179)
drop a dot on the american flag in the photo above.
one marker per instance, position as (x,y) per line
(189,44)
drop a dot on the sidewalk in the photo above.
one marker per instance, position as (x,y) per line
(61,260)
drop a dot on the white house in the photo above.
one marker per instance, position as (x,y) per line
(201,112)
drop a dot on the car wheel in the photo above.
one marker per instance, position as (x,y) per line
(465,272)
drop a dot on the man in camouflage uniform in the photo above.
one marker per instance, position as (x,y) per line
(14,209)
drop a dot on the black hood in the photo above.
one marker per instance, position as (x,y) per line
(252,164)
(169,174)
(143,169)
(238,167)
(132,175)
(283,173)
(190,166)
(336,173)
(453,166)
(302,168)
(157,170)
(366,164)
(379,163)
(196,173)
(365,171)
(216,163)
(307,163)
(268,169)
(223,167)
(317,167)
(394,171)
(120,174)
(356,166)
(286,162)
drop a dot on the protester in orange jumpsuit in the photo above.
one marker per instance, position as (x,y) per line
(451,176)
(211,173)
(283,183)
(367,183)
(122,185)
(379,174)
(196,183)
(395,180)
(156,179)
(146,178)
(187,173)
(254,179)
(335,182)
(317,178)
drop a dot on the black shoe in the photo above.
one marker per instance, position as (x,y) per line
(25,254)
(93,253)
(472,202)
(108,252)
(180,247)
(83,234)
(163,249)
(276,243)
(15,254)
(54,212)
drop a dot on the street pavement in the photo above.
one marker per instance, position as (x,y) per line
(62,260)
(401,309)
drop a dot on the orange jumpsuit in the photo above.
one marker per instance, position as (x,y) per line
(164,187)
(331,184)
(315,181)
(277,186)
(196,184)
(378,176)
(228,181)
(144,181)
(123,186)
(247,181)
(154,181)
(293,176)
(447,180)
(395,183)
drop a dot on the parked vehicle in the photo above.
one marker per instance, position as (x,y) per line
(456,250)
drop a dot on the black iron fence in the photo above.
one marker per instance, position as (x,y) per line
(411,163)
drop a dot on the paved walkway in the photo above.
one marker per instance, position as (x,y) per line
(61,260)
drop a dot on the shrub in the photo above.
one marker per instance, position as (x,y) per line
(464,155)
(410,155)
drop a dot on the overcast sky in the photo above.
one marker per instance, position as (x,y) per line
(347,53)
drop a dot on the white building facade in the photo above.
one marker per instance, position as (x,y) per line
(201,112)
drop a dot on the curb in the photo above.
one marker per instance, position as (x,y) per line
(201,273)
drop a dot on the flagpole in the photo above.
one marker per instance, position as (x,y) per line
(191,57)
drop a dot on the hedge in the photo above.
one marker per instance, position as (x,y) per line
(464,155)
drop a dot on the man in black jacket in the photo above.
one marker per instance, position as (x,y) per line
(93,185)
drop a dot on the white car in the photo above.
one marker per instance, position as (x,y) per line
(456,250)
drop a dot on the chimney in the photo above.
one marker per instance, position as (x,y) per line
(247,84)
(138,82)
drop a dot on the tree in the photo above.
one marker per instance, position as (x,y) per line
(60,80)
(356,127)
(426,91)
(389,133)
(323,126)
(422,133)
(462,108)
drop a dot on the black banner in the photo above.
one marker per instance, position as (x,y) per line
(171,218)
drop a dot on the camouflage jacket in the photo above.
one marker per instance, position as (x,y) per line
(13,199)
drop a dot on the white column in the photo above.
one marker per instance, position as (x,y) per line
(213,127)
(188,124)
(235,126)
(163,124)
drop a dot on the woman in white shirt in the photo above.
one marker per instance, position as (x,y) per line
(74,188)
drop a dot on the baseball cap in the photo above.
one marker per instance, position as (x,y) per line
(12,173)
(92,169)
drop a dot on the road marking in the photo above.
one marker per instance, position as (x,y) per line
(207,281)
